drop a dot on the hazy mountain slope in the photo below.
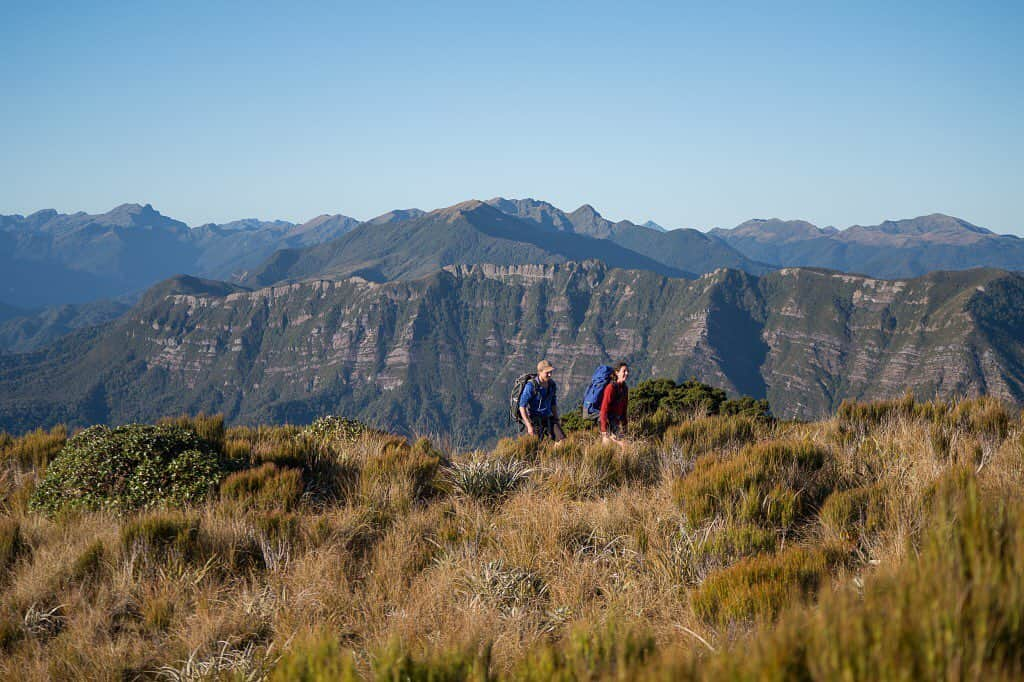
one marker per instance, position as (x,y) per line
(467,233)
(9,311)
(49,258)
(30,331)
(894,249)
(228,251)
(436,355)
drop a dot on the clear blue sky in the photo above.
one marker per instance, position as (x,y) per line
(838,113)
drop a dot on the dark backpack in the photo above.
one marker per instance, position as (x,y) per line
(517,392)
(592,398)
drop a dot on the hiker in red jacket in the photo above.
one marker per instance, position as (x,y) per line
(614,405)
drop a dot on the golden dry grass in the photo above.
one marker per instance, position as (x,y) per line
(728,548)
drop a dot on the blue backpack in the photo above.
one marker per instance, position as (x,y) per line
(592,398)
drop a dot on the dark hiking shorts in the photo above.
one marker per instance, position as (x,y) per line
(547,427)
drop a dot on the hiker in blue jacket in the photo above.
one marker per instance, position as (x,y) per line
(538,405)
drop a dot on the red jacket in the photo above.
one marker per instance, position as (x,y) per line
(614,402)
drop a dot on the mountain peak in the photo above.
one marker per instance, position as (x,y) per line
(775,229)
(651,225)
(462,208)
(138,215)
(397,215)
(934,228)
(586,211)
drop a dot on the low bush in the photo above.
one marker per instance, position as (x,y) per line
(653,425)
(329,431)
(760,586)
(574,421)
(849,513)
(129,467)
(524,449)
(774,484)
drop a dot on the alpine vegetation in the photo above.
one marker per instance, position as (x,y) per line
(885,542)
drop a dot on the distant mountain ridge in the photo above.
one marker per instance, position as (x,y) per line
(893,249)
(464,234)
(49,258)
(436,354)
(683,249)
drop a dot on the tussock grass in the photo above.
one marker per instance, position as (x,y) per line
(884,543)
(773,484)
(34,450)
(265,487)
(760,586)
(488,479)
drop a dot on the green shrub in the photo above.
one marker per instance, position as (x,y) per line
(331,430)
(688,399)
(653,425)
(774,484)
(129,467)
(759,586)
(574,421)
(163,536)
(265,487)
(746,407)
(279,527)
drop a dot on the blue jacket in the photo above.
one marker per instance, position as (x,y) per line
(539,400)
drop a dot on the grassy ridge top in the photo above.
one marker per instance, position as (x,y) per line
(884,542)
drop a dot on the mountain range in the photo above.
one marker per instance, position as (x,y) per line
(894,249)
(436,355)
(49,258)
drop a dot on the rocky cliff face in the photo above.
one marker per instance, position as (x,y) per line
(436,355)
